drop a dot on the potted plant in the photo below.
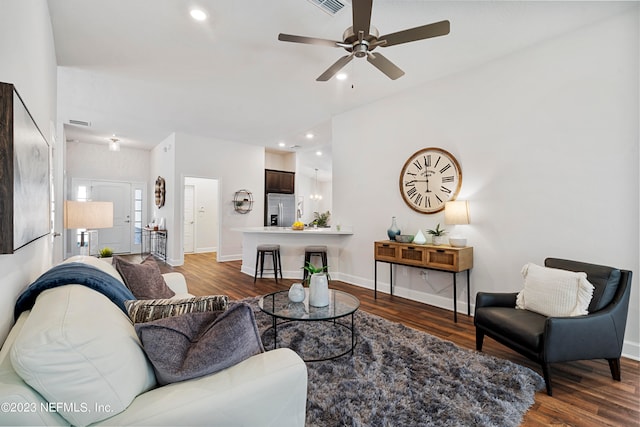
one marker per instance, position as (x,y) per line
(321,219)
(106,252)
(438,235)
(318,285)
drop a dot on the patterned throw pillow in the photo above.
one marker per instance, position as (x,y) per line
(144,280)
(147,310)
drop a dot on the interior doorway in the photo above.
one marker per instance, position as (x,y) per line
(201,215)
(189,219)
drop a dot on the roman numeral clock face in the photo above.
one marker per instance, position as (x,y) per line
(429,178)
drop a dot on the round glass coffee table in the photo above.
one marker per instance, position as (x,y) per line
(341,304)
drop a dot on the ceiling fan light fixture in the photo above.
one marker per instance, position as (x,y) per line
(362,37)
(114,144)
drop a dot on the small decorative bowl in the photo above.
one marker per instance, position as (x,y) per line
(458,242)
(404,238)
(297,227)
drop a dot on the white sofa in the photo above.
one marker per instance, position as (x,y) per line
(79,347)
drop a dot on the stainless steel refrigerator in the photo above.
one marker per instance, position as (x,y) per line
(280,210)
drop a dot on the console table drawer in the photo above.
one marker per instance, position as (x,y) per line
(413,255)
(386,251)
(450,259)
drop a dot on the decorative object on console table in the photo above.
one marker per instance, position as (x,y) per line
(24,191)
(87,215)
(457,213)
(106,252)
(441,258)
(438,235)
(419,238)
(393,231)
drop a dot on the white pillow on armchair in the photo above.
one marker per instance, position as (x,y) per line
(554,292)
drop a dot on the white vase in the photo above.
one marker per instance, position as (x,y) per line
(419,238)
(319,290)
(438,240)
(296,292)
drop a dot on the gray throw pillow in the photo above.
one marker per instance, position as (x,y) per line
(197,344)
(144,280)
(146,310)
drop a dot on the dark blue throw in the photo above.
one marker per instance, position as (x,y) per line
(75,273)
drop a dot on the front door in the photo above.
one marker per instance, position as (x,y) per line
(118,238)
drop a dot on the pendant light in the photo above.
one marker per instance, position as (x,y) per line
(114,145)
(316,195)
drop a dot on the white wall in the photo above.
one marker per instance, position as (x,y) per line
(162,163)
(205,213)
(94,161)
(28,61)
(547,140)
(235,165)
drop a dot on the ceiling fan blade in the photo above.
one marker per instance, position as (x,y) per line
(337,66)
(419,33)
(308,40)
(361,15)
(384,65)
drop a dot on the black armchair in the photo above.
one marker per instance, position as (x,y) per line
(597,335)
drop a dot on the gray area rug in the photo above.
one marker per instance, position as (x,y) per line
(399,376)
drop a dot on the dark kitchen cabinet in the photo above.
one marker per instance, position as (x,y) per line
(279,181)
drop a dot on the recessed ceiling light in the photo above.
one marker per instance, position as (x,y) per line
(198,14)
(318,153)
(281,144)
(309,135)
(341,76)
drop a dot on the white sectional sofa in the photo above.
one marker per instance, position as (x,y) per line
(83,355)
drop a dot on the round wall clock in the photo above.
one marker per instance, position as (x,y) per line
(430,178)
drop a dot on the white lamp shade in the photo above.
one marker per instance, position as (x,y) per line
(88,215)
(456,212)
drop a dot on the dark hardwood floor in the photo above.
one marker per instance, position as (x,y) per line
(584,393)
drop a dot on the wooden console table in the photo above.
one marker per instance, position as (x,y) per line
(430,257)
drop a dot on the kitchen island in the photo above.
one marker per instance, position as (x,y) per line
(292,244)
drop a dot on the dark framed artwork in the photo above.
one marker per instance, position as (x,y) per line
(25,186)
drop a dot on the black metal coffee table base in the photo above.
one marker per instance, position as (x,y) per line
(286,323)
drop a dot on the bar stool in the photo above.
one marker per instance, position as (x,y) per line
(310,251)
(274,251)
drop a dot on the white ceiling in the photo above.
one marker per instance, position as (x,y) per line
(142,69)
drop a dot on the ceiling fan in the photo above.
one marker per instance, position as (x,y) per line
(362,38)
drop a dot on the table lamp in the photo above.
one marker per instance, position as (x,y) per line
(87,215)
(457,212)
